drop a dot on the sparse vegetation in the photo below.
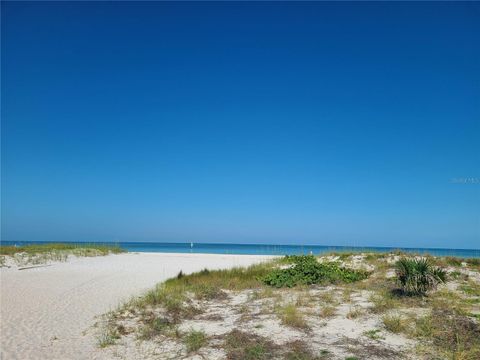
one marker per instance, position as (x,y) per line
(35,254)
(327,311)
(445,320)
(81,248)
(354,313)
(453,336)
(290,316)
(394,323)
(243,346)
(373,334)
(194,340)
(107,337)
(155,326)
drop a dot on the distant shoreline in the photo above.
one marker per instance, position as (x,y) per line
(261,249)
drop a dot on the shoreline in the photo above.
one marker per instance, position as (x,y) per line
(262,249)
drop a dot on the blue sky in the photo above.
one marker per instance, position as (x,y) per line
(333,124)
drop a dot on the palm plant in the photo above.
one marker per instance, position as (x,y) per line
(418,276)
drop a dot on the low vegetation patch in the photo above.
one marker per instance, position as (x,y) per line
(32,249)
(36,254)
(175,295)
(194,340)
(155,326)
(373,334)
(453,336)
(306,270)
(108,337)
(240,345)
(394,323)
(291,316)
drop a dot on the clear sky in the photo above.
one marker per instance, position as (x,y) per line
(335,124)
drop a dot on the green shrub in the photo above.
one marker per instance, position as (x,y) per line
(306,270)
(418,276)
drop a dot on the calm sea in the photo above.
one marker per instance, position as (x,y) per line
(265,249)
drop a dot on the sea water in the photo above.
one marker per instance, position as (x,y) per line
(264,249)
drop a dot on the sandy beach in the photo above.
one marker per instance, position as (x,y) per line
(48,312)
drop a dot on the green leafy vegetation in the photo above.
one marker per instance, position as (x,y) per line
(418,276)
(306,270)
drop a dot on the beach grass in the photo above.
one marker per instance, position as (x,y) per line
(291,316)
(56,247)
(194,340)
(36,254)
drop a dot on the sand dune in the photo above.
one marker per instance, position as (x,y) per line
(47,312)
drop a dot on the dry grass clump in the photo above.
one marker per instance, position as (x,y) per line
(298,350)
(290,316)
(327,311)
(240,345)
(262,293)
(107,337)
(194,340)
(354,313)
(453,336)
(394,323)
(328,297)
(382,301)
(156,326)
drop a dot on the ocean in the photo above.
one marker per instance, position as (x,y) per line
(266,249)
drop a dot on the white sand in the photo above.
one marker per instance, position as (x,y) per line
(46,312)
